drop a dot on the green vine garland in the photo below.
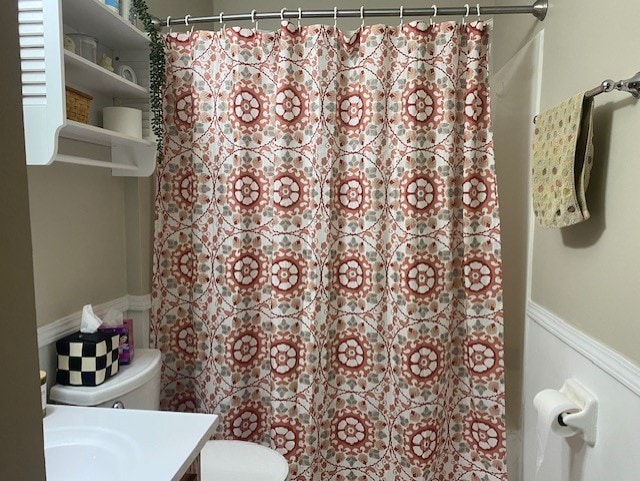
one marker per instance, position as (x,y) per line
(157,71)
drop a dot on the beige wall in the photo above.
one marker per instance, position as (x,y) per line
(588,274)
(77,221)
(139,201)
(195,8)
(92,234)
(21,444)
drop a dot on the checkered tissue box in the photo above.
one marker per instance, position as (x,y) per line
(87,359)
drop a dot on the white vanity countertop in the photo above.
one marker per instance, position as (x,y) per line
(82,443)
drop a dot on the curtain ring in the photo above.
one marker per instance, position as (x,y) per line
(168,24)
(478,9)
(435,14)
(335,18)
(299,16)
(282,10)
(222,26)
(362,16)
(401,15)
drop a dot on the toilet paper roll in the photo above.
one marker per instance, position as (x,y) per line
(125,120)
(550,404)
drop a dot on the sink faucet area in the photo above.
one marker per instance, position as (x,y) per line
(104,444)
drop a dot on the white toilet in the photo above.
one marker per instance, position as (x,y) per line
(241,461)
(137,386)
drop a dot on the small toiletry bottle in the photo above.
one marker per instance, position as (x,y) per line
(43,392)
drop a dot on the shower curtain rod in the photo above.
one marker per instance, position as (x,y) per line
(538,10)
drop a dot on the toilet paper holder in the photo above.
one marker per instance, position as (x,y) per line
(585,420)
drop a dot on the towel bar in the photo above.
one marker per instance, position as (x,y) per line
(630,85)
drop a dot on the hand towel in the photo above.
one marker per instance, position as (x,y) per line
(562,161)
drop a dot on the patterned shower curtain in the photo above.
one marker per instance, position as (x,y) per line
(327,250)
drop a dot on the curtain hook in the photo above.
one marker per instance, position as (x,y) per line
(169,24)
(401,15)
(362,16)
(253,20)
(282,10)
(222,25)
(186,22)
(435,14)
(299,16)
(335,18)
(464,19)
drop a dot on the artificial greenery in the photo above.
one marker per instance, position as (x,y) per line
(156,74)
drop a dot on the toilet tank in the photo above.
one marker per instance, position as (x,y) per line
(136,386)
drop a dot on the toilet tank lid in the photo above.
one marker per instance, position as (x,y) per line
(145,365)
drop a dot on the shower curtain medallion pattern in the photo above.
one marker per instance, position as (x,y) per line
(327,261)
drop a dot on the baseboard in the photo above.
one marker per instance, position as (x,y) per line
(610,361)
(71,323)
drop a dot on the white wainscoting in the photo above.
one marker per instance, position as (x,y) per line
(555,351)
(135,307)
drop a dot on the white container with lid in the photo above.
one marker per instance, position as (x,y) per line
(136,386)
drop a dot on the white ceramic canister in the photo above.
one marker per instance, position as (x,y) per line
(125,120)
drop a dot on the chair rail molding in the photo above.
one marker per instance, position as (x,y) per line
(611,362)
(62,327)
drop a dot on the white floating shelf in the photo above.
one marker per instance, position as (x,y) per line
(73,159)
(89,76)
(131,156)
(92,17)
(96,135)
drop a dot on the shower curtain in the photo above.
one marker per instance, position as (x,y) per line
(327,272)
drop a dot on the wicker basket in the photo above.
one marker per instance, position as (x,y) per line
(78,105)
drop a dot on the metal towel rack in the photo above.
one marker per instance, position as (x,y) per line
(630,85)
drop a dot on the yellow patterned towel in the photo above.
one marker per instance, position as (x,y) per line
(562,160)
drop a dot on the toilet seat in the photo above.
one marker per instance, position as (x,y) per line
(241,461)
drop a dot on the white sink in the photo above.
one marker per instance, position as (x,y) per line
(70,453)
(106,444)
